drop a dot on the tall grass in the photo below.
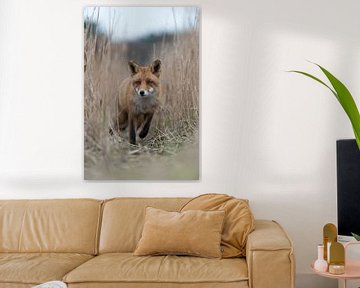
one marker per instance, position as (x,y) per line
(175,125)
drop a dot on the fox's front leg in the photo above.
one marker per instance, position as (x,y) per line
(132,130)
(145,129)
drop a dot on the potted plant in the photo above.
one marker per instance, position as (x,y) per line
(346,100)
(344,97)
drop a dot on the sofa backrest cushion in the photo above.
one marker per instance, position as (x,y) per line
(123,220)
(66,226)
(239,220)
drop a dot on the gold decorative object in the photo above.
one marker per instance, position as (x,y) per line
(336,269)
(337,258)
(337,254)
(330,236)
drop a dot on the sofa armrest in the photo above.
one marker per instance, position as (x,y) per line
(269,256)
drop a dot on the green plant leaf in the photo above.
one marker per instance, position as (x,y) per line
(347,102)
(357,137)
(344,97)
(316,79)
(357,237)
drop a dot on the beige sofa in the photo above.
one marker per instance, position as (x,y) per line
(89,243)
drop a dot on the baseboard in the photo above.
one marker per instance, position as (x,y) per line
(310,280)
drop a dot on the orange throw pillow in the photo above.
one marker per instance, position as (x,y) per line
(196,233)
(239,220)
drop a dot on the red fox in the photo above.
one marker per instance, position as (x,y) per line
(138,99)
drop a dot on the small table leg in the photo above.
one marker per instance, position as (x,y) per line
(344,285)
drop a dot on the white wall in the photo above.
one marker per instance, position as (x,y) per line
(266,135)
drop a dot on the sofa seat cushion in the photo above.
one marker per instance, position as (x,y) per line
(36,268)
(242,284)
(127,268)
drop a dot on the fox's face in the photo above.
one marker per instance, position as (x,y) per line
(145,79)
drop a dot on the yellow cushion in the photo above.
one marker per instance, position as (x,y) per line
(239,220)
(194,232)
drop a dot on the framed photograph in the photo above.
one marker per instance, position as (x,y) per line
(141,93)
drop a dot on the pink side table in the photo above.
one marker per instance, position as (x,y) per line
(352,268)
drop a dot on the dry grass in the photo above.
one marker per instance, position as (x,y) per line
(175,126)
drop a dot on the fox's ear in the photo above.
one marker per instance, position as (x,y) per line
(156,67)
(134,68)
